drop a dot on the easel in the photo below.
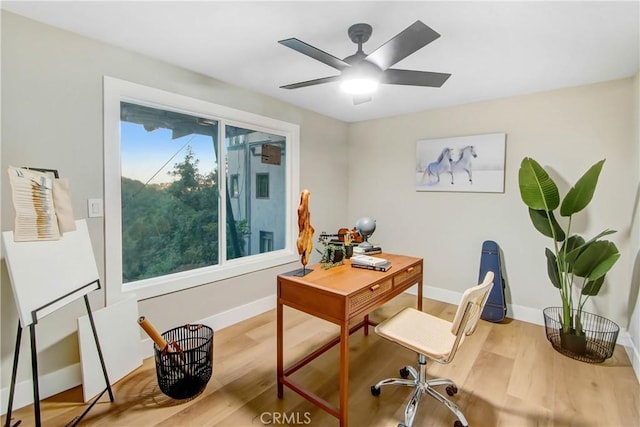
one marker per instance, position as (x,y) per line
(34,363)
(42,290)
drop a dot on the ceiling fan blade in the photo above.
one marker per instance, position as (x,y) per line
(361,99)
(413,38)
(311,82)
(413,78)
(315,53)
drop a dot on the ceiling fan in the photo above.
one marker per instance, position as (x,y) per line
(361,73)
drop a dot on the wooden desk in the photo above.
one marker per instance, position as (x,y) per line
(339,295)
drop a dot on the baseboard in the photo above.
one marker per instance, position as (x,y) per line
(224,319)
(531,315)
(634,355)
(70,376)
(49,385)
(518,312)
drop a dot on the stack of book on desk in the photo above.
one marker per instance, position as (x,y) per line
(370,263)
(367,251)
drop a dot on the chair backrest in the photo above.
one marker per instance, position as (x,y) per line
(471,306)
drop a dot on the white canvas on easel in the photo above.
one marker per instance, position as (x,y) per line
(47,275)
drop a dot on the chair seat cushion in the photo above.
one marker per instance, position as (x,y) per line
(420,332)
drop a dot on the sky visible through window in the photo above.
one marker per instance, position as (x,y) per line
(144,154)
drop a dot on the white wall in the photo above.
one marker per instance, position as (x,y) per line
(566,130)
(52,117)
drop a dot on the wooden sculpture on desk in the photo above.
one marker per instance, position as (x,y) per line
(305,232)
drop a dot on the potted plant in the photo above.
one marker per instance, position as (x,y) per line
(577,267)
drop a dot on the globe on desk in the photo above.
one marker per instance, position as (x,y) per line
(366,226)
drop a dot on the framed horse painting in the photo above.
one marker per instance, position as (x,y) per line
(462,163)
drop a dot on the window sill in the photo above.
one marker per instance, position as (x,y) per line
(153,287)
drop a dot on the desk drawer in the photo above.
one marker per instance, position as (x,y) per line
(369,294)
(410,274)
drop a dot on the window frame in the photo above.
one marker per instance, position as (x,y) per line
(115,91)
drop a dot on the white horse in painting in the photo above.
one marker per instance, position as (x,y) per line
(464,162)
(441,165)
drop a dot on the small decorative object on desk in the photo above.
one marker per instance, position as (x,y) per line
(370,263)
(304,242)
(334,254)
(337,247)
(366,226)
(344,237)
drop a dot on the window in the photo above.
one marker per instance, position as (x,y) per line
(234,185)
(178,196)
(262,186)
(168,190)
(266,241)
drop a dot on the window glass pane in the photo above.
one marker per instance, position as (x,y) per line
(169,192)
(234,184)
(249,154)
(262,185)
(266,241)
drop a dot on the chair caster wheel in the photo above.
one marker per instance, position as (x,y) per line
(451,390)
(402,425)
(457,423)
(375,391)
(404,373)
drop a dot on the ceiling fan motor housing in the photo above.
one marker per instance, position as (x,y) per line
(362,69)
(359,33)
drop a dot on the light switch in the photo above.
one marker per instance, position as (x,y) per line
(95,209)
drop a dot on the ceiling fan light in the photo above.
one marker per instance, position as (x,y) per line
(359,85)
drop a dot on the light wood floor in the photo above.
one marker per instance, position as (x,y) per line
(508,375)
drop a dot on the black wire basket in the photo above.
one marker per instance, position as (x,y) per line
(184,368)
(600,336)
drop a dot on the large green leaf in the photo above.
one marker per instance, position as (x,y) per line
(574,250)
(570,250)
(552,268)
(596,259)
(593,286)
(540,221)
(580,195)
(537,189)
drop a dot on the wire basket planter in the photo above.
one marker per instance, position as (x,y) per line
(185,371)
(600,335)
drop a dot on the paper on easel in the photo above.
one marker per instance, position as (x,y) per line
(32,195)
(62,205)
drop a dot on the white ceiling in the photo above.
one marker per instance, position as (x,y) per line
(492,49)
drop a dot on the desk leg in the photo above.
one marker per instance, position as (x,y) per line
(344,374)
(420,295)
(366,325)
(280,343)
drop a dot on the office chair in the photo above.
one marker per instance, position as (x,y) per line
(436,339)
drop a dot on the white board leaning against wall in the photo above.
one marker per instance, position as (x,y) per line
(118,333)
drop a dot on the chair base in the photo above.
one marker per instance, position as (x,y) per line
(422,385)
